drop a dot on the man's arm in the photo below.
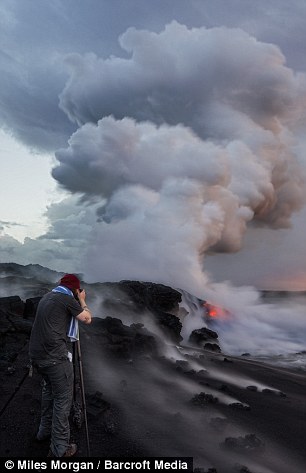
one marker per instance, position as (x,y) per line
(84,316)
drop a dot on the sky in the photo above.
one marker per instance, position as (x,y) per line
(157,140)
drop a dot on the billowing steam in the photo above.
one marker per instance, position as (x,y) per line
(186,139)
(251,324)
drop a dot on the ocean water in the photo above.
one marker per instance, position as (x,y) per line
(269,326)
(292,308)
(293,361)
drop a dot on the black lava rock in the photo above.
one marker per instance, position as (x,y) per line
(202,335)
(248,443)
(120,340)
(203,399)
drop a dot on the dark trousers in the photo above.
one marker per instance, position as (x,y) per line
(57,393)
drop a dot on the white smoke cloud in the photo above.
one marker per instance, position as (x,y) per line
(185,141)
(101,158)
(185,75)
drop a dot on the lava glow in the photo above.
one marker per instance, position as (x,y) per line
(215,311)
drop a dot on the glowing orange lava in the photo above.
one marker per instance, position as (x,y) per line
(214,311)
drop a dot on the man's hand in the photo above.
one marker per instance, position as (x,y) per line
(81,296)
(84,316)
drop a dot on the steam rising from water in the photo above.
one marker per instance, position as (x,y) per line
(185,140)
(251,326)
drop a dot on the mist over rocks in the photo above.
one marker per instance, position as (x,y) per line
(151,394)
(32,280)
(28,271)
(157,299)
(119,340)
(132,318)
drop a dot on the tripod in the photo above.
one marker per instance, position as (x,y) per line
(77,351)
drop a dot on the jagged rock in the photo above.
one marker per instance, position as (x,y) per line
(212,347)
(239,405)
(152,296)
(206,338)
(202,335)
(203,399)
(248,443)
(31,307)
(170,324)
(273,392)
(12,304)
(162,301)
(120,340)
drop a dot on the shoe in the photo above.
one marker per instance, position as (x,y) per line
(71,450)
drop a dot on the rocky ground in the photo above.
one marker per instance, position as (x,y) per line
(149,393)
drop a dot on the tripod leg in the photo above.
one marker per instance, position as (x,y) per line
(83,395)
(74,372)
(76,406)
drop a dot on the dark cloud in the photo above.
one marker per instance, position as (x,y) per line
(35,37)
(179,76)
(30,104)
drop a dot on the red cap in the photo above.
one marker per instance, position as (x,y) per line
(70,281)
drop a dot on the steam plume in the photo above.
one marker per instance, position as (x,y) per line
(186,140)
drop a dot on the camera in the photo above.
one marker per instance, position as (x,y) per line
(76,296)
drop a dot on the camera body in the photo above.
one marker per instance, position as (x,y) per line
(76,295)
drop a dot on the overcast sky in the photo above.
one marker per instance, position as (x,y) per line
(159,140)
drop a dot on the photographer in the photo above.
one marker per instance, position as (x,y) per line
(57,314)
